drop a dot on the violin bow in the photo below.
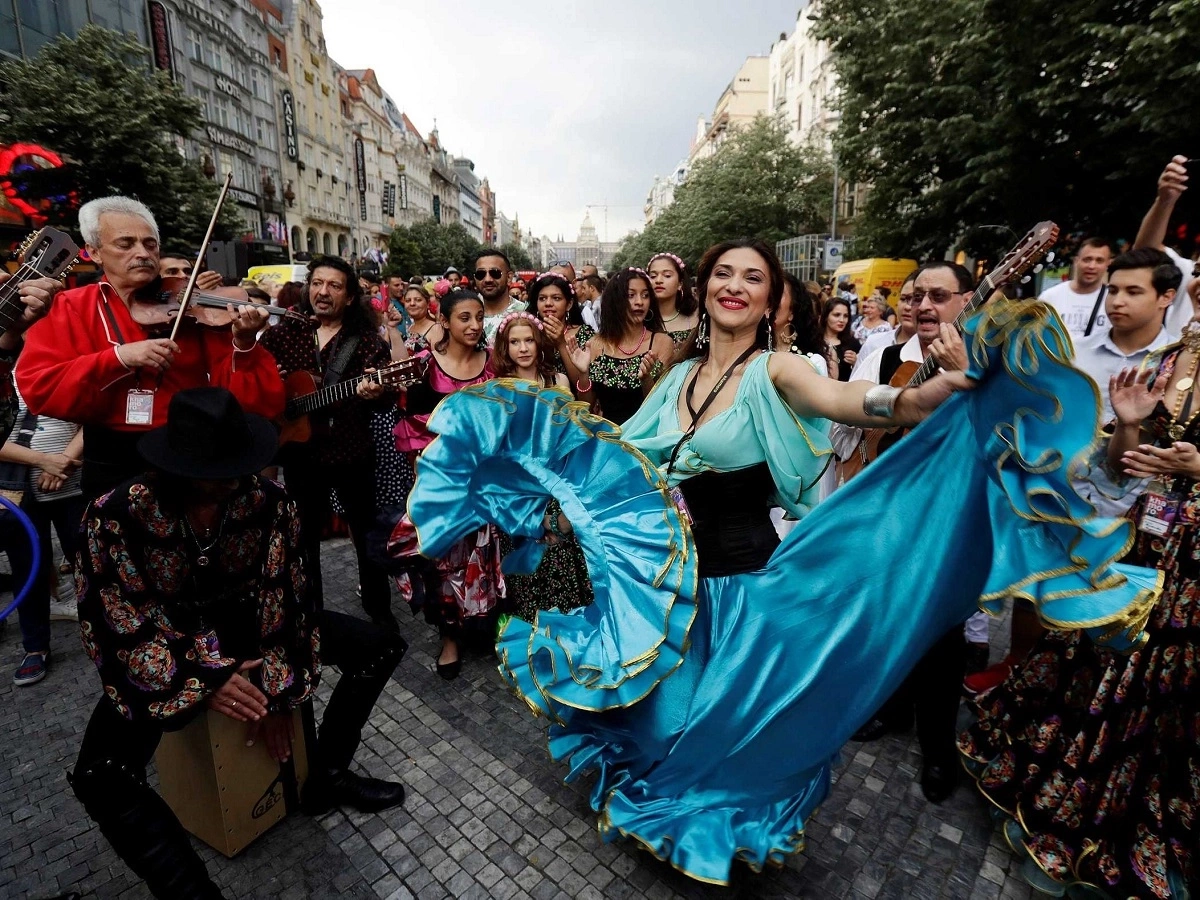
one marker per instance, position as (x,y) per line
(185,299)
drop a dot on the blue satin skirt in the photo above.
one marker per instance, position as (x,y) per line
(712,709)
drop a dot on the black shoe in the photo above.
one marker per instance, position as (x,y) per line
(876,728)
(364,794)
(450,670)
(938,782)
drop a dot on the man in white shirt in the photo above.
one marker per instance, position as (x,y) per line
(588,291)
(1079,301)
(930,694)
(1171,185)
(1141,287)
(900,335)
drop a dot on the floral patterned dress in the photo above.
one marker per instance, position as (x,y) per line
(166,628)
(1096,755)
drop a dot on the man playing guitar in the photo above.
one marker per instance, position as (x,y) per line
(341,453)
(88,361)
(931,693)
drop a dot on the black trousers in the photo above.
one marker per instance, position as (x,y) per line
(110,774)
(931,693)
(309,483)
(366,656)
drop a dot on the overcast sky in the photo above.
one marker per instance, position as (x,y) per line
(561,105)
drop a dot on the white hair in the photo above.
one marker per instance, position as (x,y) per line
(92,211)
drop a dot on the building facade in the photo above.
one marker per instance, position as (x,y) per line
(470,205)
(218,51)
(318,165)
(414,190)
(662,192)
(374,150)
(802,85)
(586,250)
(26,27)
(744,98)
(443,181)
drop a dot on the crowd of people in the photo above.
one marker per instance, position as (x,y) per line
(625,437)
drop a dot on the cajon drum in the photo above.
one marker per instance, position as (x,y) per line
(223,792)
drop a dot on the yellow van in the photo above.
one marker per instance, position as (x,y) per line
(868,274)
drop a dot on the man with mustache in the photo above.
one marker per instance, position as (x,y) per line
(88,361)
(930,694)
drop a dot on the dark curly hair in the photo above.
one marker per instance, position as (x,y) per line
(708,262)
(614,305)
(358,317)
(806,324)
(574,313)
(685,298)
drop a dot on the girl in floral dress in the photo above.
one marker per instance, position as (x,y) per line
(561,580)
(1091,757)
(463,589)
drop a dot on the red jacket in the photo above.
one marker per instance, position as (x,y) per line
(69,367)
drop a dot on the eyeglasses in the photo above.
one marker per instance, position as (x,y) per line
(481,274)
(937,296)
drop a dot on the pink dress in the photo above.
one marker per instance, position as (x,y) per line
(412,435)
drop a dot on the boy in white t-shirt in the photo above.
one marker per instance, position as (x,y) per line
(1079,301)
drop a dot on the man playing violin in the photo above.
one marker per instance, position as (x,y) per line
(89,361)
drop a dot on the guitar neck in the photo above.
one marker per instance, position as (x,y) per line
(343,390)
(11,308)
(929,368)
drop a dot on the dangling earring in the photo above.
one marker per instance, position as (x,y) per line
(702,331)
(770,335)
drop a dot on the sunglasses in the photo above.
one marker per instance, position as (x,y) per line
(495,274)
(937,296)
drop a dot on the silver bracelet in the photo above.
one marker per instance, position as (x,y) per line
(880,401)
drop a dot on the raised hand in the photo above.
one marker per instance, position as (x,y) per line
(581,357)
(1132,396)
(1173,180)
(554,330)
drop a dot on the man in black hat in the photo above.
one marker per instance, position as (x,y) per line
(191,590)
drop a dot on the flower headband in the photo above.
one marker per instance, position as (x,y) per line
(637,271)
(558,277)
(516,317)
(671,256)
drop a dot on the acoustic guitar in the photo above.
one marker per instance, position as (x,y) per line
(1019,260)
(304,396)
(48,253)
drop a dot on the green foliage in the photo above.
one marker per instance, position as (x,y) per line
(95,100)
(520,259)
(757,185)
(967,113)
(429,248)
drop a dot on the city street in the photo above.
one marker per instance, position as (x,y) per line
(487,814)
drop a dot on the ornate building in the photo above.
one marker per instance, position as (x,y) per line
(443,181)
(587,249)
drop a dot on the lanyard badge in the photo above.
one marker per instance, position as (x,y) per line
(1160,513)
(139,407)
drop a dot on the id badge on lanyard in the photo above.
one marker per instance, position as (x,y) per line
(139,407)
(1160,513)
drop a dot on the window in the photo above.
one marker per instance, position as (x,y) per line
(224,163)
(195,46)
(205,104)
(221,111)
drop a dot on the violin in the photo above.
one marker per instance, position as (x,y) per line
(158,306)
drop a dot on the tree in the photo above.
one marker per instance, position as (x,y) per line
(94,100)
(517,255)
(429,248)
(757,185)
(969,117)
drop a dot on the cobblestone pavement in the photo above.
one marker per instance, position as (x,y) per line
(487,814)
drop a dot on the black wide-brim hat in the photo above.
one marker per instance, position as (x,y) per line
(209,436)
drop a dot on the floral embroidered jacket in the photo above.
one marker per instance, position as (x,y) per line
(153,620)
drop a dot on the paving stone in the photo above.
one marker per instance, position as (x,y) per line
(484,802)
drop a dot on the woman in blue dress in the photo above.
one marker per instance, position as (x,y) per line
(717,673)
